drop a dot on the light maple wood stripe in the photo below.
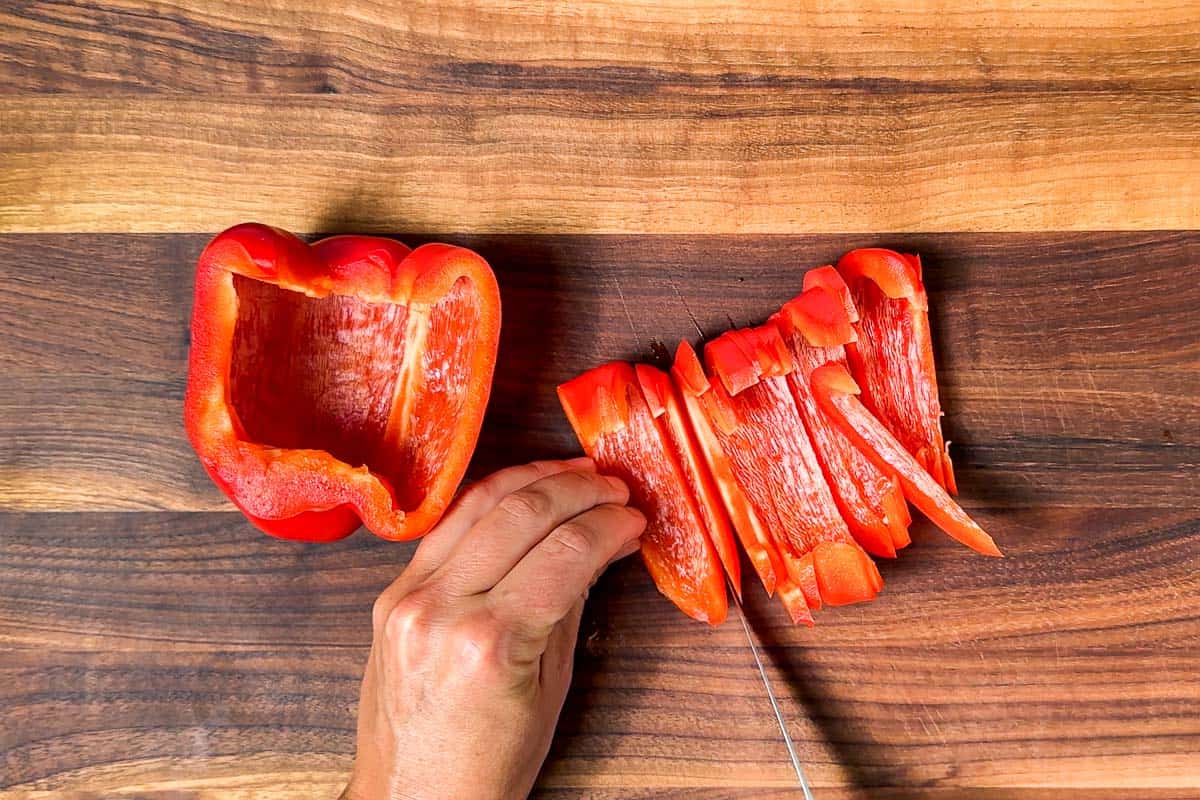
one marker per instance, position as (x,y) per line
(312,46)
(713,160)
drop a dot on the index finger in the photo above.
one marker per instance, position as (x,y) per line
(544,585)
(477,500)
(489,551)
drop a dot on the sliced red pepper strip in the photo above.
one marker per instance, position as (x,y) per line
(862,491)
(795,599)
(340,382)
(667,407)
(808,582)
(836,392)
(756,541)
(769,450)
(896,514)
(597,402)
(893,357)
(820,316)
(617,429)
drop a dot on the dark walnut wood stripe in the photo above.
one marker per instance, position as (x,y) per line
(639,47)
(166,648)
(195,581)
(1068,362)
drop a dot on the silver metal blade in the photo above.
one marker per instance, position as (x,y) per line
(762,671)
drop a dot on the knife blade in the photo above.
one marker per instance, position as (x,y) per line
(762,672)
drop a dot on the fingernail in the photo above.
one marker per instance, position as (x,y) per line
(639,517)
(629,548)
(581,461)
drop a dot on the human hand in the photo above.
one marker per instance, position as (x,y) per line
(473,643)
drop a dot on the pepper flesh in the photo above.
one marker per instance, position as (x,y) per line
(836,392)
(341,383)
(759,429)
(816,326)
(893,357)
(617,427)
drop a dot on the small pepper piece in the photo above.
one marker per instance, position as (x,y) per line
(892,358)
(341,383)
(836,392)
(816,327)
(631,434)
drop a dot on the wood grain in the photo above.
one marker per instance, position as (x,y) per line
(633,47)
(153,646)
(1068,360)
(154,652)
(178,651)
(746,159)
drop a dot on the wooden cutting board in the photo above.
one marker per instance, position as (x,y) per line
(635,173)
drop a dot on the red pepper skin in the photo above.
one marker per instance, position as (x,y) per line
(893,356)
(618,428)
(816,328)
(808,582)
(760,430)
(836,392)
(449,302)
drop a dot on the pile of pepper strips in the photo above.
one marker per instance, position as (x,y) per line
(804,436)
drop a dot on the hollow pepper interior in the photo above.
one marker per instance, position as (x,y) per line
(371,383)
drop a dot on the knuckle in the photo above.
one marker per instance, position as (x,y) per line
(478,493)
(570,540)
(578,481)
(539,469)
(379,612)
(477,641)
(409,624)
(527,504)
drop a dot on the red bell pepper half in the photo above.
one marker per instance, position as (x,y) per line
(758,433)
(816,326)
(892,358)
(639,436)
(339,383)
(836,392)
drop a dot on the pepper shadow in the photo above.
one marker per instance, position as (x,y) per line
(954,265)
(523,420)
